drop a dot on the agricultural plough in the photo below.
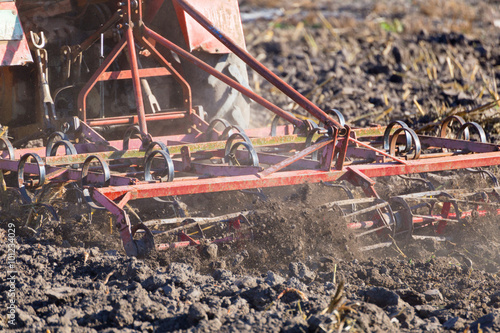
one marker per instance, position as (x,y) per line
(217,156)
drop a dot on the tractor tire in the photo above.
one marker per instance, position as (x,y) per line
(217,99)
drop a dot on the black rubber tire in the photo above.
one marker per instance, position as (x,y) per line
(218,99)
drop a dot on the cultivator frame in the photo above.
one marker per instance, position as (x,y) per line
(113,173)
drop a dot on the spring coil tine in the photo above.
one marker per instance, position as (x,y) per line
(308,142)
(253,154)
(227,132)
(8,145)
(448,121)
(421,180)
(51,210)
(464,129)
(415,141)
(146,244)
(403,218)
(169,165)
(310,136)
(229,145)
(84,180)
(131,132)
(348,192)
(51,141)
(168,171)
(488,173)
(274,124)
(20,175)
(387,134)
(482,138)
(339,115)
(69,147)
(152,146)
(211,127)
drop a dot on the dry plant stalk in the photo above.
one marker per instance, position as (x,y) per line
(85,257)
(397,247)
(293,290)
(327,24)
(336,300)
(3,185)
(384,113)
(419,107)
(106,279)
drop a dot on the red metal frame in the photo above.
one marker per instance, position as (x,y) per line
(351,154)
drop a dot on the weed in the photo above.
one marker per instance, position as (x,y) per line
(394,26)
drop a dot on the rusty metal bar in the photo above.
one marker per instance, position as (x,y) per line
(78,49)
(136,80)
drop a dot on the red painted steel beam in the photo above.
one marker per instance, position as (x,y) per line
(430,165)
(180,187)
(470,146)
(127,74)
(220,184)
(136,79)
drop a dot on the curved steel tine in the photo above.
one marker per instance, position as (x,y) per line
(415,140)
(387,134)
(20,174)
(211,127)
(231,148)
(485,173)
(84,181)
(418,179)
(349,193)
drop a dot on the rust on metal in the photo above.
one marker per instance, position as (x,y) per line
(14,49)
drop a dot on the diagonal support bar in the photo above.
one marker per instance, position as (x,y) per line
(300,155)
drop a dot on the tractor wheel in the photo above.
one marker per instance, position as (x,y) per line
(218,99)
